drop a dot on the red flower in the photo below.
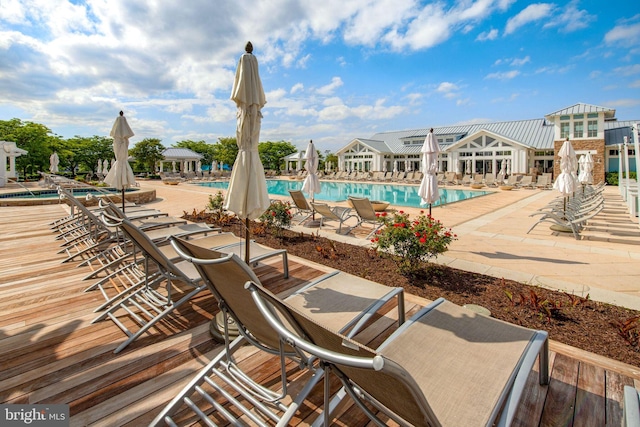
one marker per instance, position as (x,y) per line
(423,240)
(383,214)
(418,234)
(273,213)
(400,212)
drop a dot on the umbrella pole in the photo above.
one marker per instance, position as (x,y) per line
(246,240)
(429,209)
(122,199)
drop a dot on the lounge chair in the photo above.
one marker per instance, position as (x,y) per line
(366,214)
(153,299)
(301,205)
(336,213)
(490,180)
(445,366)
(222,390)
(543,182)
(525,182)
(631,407)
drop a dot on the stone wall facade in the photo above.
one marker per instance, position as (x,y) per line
(583,144)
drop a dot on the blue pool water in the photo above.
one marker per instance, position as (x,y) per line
(53,194)
(396,194)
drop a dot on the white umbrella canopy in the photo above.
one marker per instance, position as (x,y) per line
(566,182)
(428,190)
(105,166)
(54,161)
(99,166)
(467,170)
(120,176)
(586,172)
(311,184)
(503,170)
(247,196)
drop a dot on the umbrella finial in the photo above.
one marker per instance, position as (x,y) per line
(248,47)
(121,113)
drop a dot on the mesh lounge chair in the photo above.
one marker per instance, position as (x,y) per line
(366,214)
(302,206)
(445,366)
(631,407)
(336,213)
(150,302)
(208,394)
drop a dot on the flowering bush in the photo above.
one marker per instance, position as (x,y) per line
(410,241)
(277,217)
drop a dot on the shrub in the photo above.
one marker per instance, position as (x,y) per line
(277,217)
(410,242)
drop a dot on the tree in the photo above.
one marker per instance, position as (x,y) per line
(272,153)
(147,152)
(333,158)
(200,147)
(85,152)
(225,150)
(35,138)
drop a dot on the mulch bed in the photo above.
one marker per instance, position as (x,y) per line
(600,328)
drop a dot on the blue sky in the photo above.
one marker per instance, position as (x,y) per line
(332,70)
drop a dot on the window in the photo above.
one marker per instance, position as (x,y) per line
(592,116)
(592,128)
(564,130)
(613,152)
(449,140)
(578,116)
(578,129)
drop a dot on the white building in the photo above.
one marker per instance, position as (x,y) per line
(525,145)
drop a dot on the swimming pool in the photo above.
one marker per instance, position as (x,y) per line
(395,194)
(53,194)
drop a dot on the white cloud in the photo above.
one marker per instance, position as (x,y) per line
(507,75)
(628,70)
(532,13)
(296,88)
(570,19)
(336,82)
(635,84)
(625,35)
(519,62)
(488,35)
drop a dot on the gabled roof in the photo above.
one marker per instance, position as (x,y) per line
(581,108)
(377,145)
(173,153)
(535,133)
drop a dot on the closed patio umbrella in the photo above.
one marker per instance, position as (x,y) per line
(120,176)
(54,161)
(247,196)
(311,184)
(428,190)
(566,182)
(99,166)
(105,166)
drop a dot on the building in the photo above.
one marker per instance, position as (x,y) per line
(522,146)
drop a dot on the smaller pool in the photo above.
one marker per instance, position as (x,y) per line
(53,194)
(395,194)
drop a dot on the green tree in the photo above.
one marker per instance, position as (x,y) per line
(82,153)
(272,153)
(199,147)
(225,150)
(35,138)
(147,152)
(333,158)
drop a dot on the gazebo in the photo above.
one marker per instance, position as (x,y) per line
(8,150)
(180,159)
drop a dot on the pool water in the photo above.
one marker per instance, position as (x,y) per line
(395,194)
(53,194)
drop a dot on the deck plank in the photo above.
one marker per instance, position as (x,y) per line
(52,353)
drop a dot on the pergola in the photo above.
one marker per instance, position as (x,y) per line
(181,159)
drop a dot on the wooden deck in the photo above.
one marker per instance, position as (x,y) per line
(51,353)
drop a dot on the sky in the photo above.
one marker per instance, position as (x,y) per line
(332,70)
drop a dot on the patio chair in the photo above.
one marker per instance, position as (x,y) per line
(222,383)
(150,302)
(544,182)
(525,182)
(631,407)
(336,213)
(490,180)
(301,205)
(366,214)
(445,366)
